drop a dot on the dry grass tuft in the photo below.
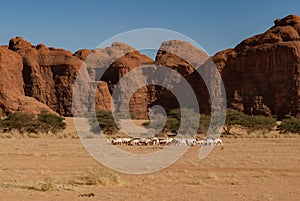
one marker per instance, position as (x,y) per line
(94,176)
(99,176)
(60,135)
(48,184)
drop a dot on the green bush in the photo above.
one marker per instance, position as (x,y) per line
(233,118)
(30,123)
(21,122)
(50,122)
(173,122)
(289,125)
(259,123)
(105,120)
(250,123)
(171,125)
(204,123)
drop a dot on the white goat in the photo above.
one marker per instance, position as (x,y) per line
(166,141)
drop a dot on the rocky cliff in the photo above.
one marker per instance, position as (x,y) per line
(199,71)
(48,75)
(12,96)
(140,99)
(108,65)
(262,73)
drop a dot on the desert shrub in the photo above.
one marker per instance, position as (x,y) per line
(233,118)
(100,176)
(204,123)
(171,125)
(259,123)
(50,122)
(104,122)
(21,122)
(250,123)
(173,122)
(192,121)
(289,125)
(30,123)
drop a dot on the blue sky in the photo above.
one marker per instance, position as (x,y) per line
(214,24)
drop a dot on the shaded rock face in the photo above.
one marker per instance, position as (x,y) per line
(123,65)
(261,74)
(109,65)
(102,97)
(190,62)
(98,60)
(125,59)
(49,75)
(140,99)
(12,96)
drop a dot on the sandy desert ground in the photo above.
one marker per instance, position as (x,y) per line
(61,169)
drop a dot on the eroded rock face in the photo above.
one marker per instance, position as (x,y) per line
(109,65)
(183,50)
(262,73)
(12,96)
(49,75)
(190,62)
(102,97)
(82,54)
(99,59)
(140,99)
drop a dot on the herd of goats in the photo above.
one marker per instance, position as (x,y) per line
(154,141)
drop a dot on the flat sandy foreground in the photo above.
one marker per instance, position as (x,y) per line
(243,169)
(47,168)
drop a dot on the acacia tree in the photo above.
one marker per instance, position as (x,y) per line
(173,122)
(259,123)
(233,117)
(104,122)
(251,123)
(289,125)
(23,122)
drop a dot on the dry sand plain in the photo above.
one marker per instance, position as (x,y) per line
(61,169)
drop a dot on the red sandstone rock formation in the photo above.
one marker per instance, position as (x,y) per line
(109,65)
(82,54)
(102,97)
(99,59)
(262,73)
(189,61)
(49,75)
(140,99)
(12,96)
